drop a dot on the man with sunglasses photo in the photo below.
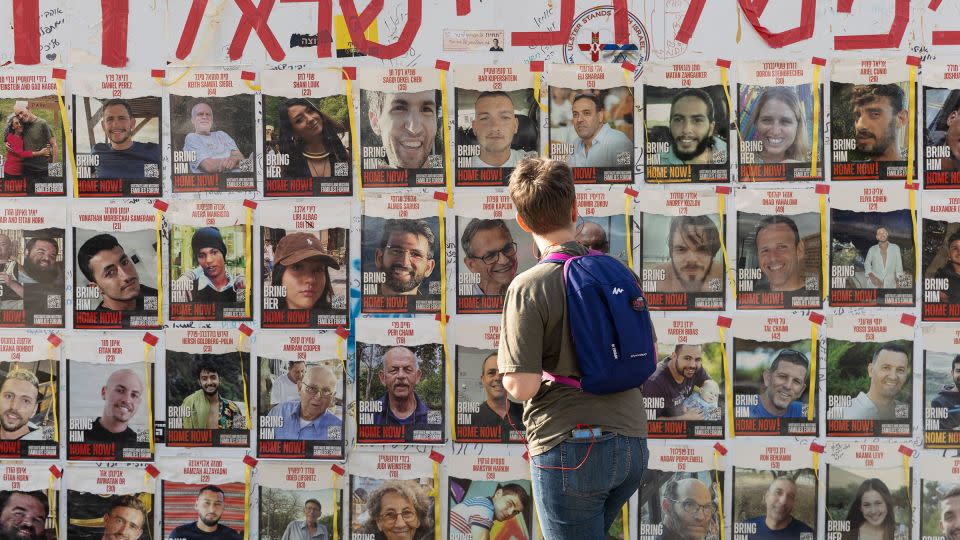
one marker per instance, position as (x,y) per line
(405,256)
(309,418)
(489,252)
(783,384)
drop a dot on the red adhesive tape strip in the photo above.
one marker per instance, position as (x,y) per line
(113,48)
(463,7)
(26,28)
(690,20)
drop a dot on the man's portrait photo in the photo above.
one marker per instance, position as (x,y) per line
(600,128)
(941,391)
(404,126)
(297,514)
(775,504)
(32,276)
(876,251)
(682,253)
(216,513)
(215,134)
(480,392)
(26,400)
(495,128)
(314,414)
(772,379)
(24,516)
(207,391)
(399,257)
(693,122)
(208,266)
(686,384)
(874,116)
(94,516)
(870,381)
(940,508)
(489,255)
(122,136)
(111,400)
(684,505)
(401,386)
(941,262)
(121,267)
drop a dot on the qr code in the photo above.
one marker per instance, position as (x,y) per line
(811,283)
(623,158)
(54,301)
(341,168)
(904,281)
(719,156)
(333,433)
(151,170)
(55,169)
(901,410)
(246,165)
(434,417)
(149,303)
(715,285)
(434,161)
(46,433)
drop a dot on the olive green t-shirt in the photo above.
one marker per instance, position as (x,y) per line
(535,337)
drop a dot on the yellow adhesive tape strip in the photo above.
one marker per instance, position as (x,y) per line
(52,503)
(816,121)
(336,509)
(728,385)
(51,350)
(158,226)
(436,499)
(537,81)
(67,139)
(243,377)
(811,407)
(721,203)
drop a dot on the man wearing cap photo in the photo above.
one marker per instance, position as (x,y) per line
(209,280)
(301,271)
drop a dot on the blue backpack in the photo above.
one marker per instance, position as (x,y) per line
(610,324)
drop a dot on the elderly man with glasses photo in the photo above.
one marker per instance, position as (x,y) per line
(308,418)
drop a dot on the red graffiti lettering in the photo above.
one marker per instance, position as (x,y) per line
(357,23)
(901,16)
(753,10)
(255,18)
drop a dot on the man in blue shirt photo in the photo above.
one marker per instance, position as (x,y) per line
(121,156)
(783,383)
(778,522)
(401,405)
(308,419)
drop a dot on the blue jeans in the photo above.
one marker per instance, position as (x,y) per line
(581,504)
